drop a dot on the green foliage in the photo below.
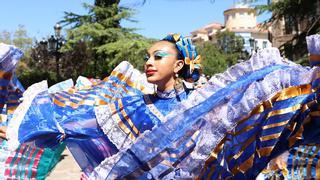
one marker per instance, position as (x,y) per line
(35,65)
(296,9)
(132,50)
(5,37)
(214,60)
(109,43)
(24,42)
(76,62)
(29,77)
(20,39)
(96,43)
(229,42)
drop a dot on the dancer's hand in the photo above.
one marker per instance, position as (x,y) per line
(280,163)
(3,130)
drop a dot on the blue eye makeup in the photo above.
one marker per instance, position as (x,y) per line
(162,54)
(158,55)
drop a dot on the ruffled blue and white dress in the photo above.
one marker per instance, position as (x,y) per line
(52,116)
(25,162)
(303,161)
(230,128)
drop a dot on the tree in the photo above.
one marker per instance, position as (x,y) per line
(217,57)
(26,73)
(232,46)
(100,30)
(96,43)
(303,16)
(21,39)
(215,60)
(24,42)
(5,37)
(71,63)
(229,42)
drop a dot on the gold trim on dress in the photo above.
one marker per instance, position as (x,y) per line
(265,151)
(128,120)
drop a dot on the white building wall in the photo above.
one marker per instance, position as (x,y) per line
(246,36)
(242,18)
(263,43)
(261,40)
(243,22)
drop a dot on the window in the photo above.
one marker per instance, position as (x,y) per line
(264,44)
(290,24)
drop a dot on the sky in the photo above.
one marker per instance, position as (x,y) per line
(156,18)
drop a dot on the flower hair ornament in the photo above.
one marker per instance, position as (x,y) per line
(192,68)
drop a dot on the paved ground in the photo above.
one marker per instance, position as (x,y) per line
(66,169)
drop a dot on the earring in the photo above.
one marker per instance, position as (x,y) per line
(178,84)
(154,88)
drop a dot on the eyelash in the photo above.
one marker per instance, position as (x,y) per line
(156,57)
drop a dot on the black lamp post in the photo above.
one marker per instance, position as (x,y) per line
(53,45)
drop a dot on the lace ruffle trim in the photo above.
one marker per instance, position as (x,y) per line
(18,115)
(228,113)
(313,43)
(109,124)
(261,59)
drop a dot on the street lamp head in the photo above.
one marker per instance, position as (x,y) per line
(43,44)
(57,29)
(52,44)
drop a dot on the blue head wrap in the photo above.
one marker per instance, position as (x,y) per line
(192,68)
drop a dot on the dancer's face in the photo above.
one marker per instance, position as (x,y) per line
(162,64)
